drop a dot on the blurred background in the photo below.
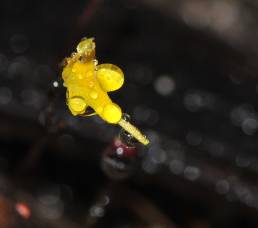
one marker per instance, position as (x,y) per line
(191,85)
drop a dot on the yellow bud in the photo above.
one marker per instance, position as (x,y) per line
(77,105)
(112,113)
(110,77)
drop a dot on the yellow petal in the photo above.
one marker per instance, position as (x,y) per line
(86,45)
(77,105)
(112,113)
(110,77)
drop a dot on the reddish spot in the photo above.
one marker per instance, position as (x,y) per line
(23,210)
(127,150)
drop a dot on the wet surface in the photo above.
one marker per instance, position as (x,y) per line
(190,85)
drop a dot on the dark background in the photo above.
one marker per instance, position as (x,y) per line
(191,85)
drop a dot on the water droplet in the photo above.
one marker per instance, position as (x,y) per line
(86,46)
(249,126)
(91,84)
(196,100)
(49,195)
(120,151)
(149,166)
(157,154)
(164,85)
(126,117)
(193,101)
(116,163)
(55,84)
(93,94)
(33,98)
(96,211)
(176,166)
(153,136)
(140,74)
(222,187)
(84,38)
(95,61)
(50,204)
(192,173)
(241,113)
(51,211)
(127,138)
(19,67)
(73,54)
(215,148)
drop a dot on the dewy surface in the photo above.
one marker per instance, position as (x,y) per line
(88,83)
